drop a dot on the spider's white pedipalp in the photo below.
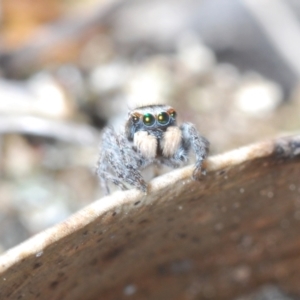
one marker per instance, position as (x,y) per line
(150,135)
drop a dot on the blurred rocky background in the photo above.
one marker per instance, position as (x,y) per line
(67,68)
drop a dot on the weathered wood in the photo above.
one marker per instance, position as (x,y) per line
(221,238)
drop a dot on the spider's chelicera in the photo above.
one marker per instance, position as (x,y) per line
(151,135)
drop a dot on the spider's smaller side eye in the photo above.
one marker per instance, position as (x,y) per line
(148,119)
(173,114)
(135,118)
(163,118)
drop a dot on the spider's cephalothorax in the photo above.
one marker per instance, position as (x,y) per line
(151,135)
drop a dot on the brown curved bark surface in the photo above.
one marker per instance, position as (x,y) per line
(221,238)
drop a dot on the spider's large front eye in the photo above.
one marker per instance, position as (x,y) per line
(148,119)
(163,118)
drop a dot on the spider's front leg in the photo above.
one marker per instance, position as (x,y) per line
(102,170)
(118,162)
(192,139)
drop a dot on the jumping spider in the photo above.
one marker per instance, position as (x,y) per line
(150,136)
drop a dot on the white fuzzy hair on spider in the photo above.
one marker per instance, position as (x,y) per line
(150,135)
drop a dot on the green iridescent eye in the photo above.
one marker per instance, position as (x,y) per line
(148,119)
(163,118)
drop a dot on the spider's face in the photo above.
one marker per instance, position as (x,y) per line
(154,119)
(151,137)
